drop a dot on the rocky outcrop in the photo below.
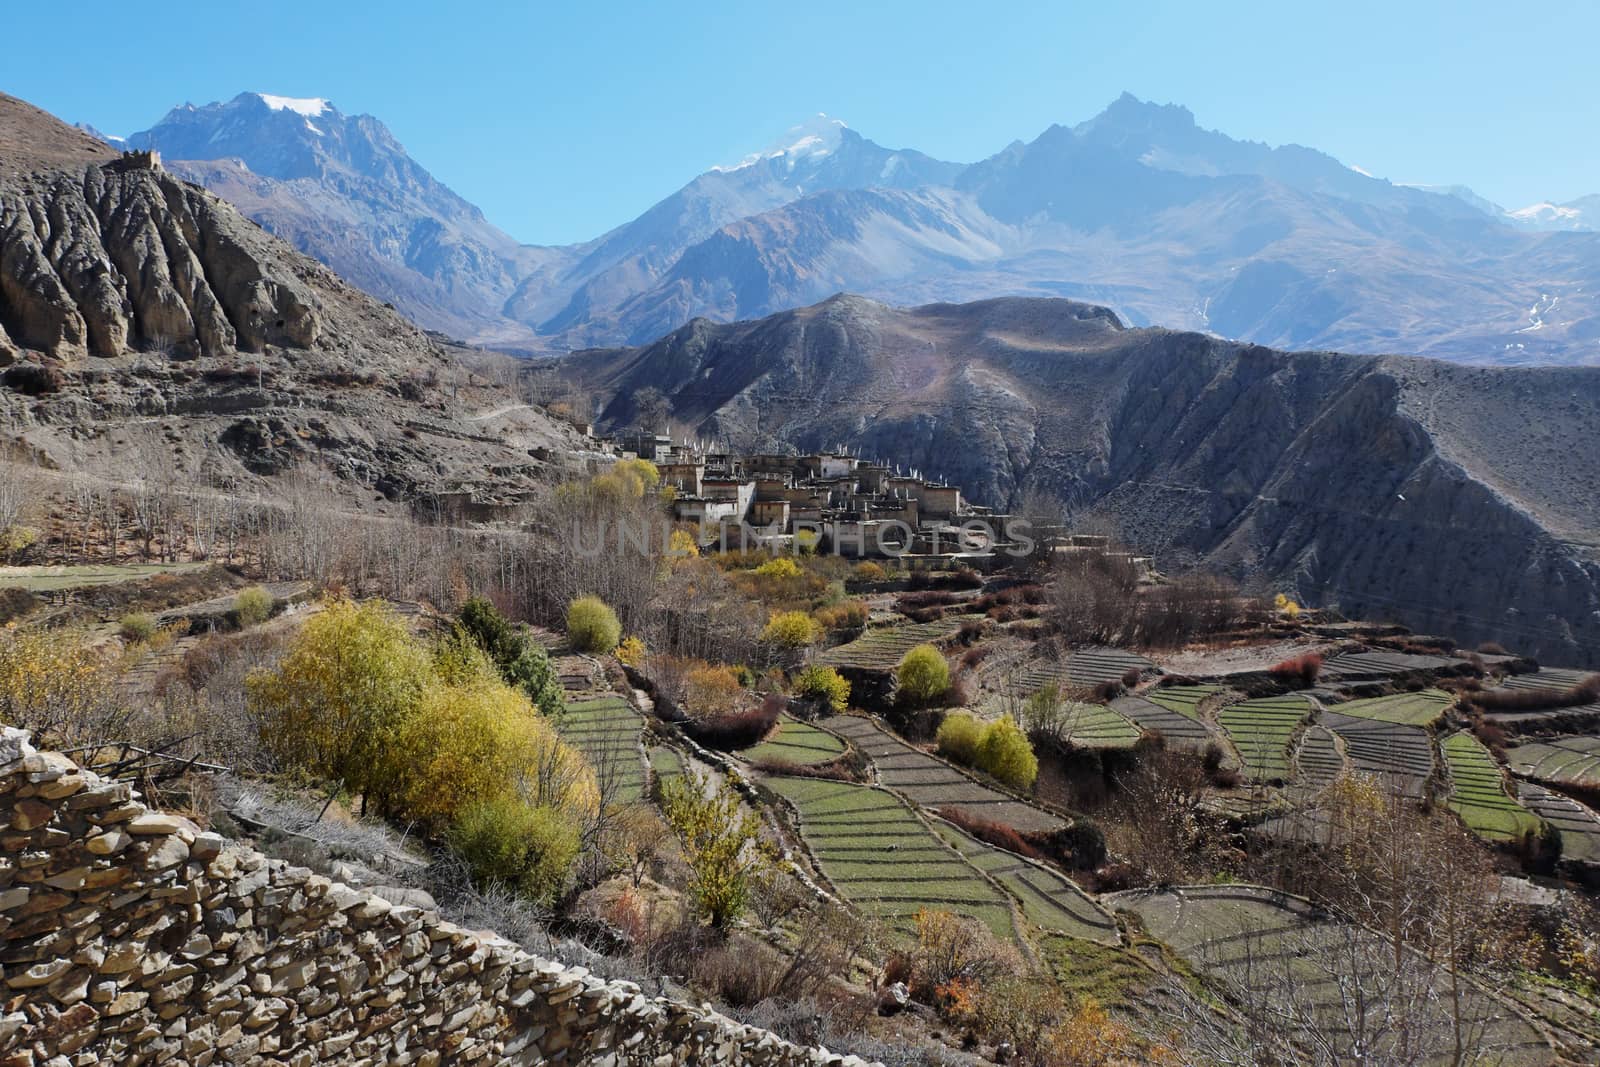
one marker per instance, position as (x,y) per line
(129,936)
(109,258)
(150,331)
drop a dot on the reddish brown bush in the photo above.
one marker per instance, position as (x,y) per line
(927,598)
(1130,678)
(974,656)
(1106,691)
(1491,734)
(833,771)
(994,833)
(736,729)
(1585,692)
(1301,670)
(1493,648)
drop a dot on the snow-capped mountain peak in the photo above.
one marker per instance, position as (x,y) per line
(816,137)
(309,108)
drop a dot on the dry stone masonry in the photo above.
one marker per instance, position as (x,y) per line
(128,936)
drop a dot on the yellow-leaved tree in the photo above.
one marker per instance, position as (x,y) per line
(470,743)
(338,702)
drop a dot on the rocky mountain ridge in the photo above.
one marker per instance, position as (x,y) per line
(1451,498)
(1138,208)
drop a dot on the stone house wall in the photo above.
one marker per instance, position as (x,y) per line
(128,936)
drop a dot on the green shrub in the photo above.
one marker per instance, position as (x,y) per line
(592,626)
(521,661)
(1004,752)
(959,736)
(824,683)
(253,606)
(508,842)
(924,676)
(137,627)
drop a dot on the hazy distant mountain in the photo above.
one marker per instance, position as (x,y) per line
(818,156)
(1580,214)
(1313,472)
(1166,223)
(1138,208)
(341,188)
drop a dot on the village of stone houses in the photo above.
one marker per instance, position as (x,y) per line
(840,768)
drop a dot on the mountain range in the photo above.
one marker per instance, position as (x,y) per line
(1138,209)
(1457,499)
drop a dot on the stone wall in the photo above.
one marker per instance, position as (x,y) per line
(129,936)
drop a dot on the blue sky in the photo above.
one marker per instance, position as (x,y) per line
(561,121)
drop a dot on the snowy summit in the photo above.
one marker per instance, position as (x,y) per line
(816,137)
(309,108)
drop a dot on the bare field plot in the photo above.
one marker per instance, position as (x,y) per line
(1399,756)
(1556,679)
(1261,731)
(1478,792)
(1411,709)
(52,579)
(1579,827)
(606,730)
(1317,761)
(1281,948)
(931,783)
(1050,900)
(1376,666)
(1565,760)
(796,742)
(882,648)
(1146,714)
(1084,668)
(885,860)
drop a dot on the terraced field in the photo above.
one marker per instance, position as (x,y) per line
(1185,700)
(797,742)
(1318,762)
(1478,792)
(1376,666)
(930,783)
(882,858)
(665,762)
(882,648)
(1566,760)
(1399,756)
(1279,948)
(1411,709)
(1049,900)
(1174,726)
(1558,679)
(1085,668)
(1579,827)
(1097,726)
(1261,731)
(606,730)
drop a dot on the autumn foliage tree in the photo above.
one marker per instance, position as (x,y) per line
(721,841)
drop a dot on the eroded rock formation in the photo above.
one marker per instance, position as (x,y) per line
(111,257)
